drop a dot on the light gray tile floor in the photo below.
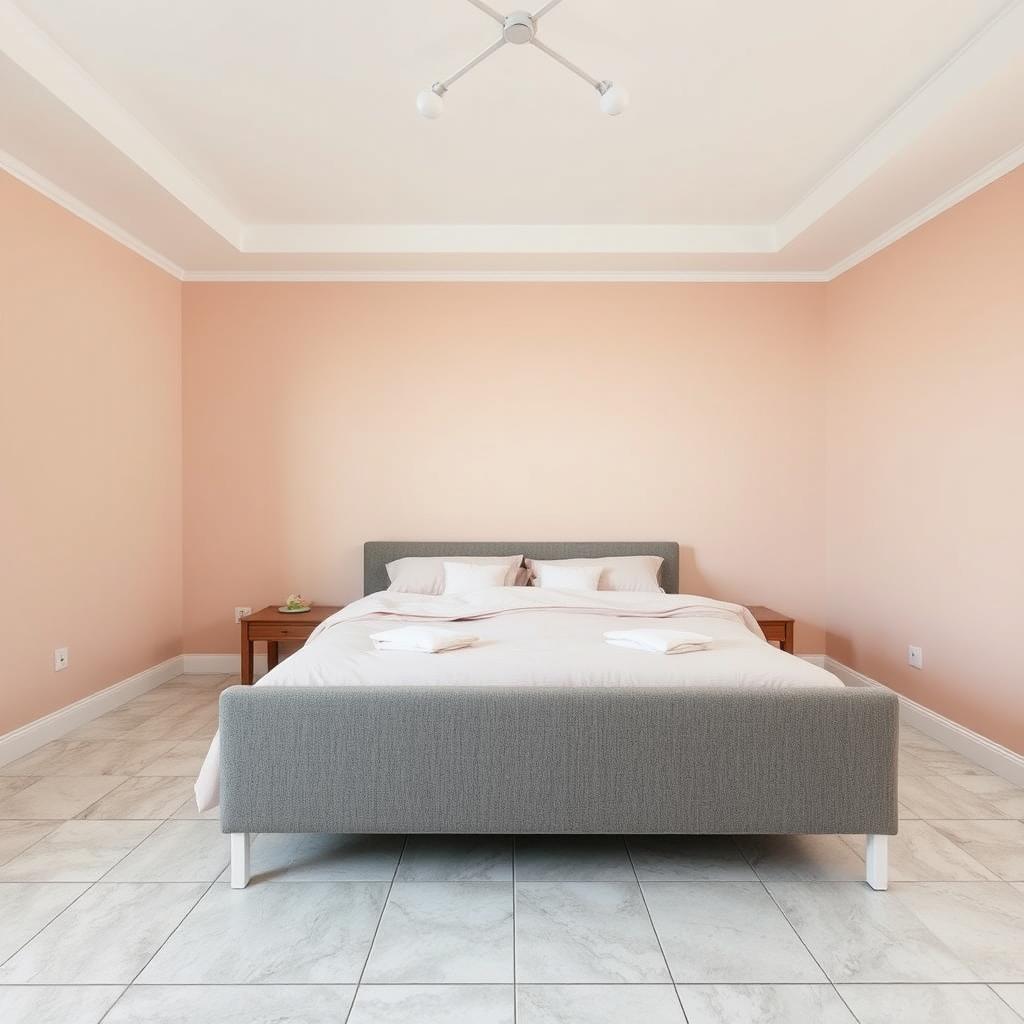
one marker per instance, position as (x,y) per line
(114,907)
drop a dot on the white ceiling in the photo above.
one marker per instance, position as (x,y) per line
(780,140)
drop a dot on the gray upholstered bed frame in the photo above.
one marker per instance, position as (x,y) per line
(548,760)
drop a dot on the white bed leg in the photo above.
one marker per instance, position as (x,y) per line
(876,857)
(239,860)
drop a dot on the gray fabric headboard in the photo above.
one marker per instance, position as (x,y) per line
(377,554)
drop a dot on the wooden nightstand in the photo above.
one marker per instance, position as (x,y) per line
(273,626)
(776,628)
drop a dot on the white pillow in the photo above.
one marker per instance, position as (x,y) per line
(627,572)
(426,575)
(462,577)
(568,577)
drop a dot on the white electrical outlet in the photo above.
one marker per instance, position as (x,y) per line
(915,657)
(240,613)
(60,659)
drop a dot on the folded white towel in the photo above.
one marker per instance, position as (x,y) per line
(424,639)
(659,641)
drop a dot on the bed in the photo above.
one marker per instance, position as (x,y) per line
(739,739)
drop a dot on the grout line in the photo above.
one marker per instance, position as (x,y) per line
(167,939)
(998,996)
(657,937)
(373,938)
(800,938)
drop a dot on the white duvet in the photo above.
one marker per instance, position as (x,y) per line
(533,637)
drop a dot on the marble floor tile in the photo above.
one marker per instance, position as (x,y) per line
(143,797)
(63,1004)
(934,796)
(597,1004)
(433,1004)
(302,857)
(157,702)
(111,726)
(316,933)
(57,797)
(1000,793)
(921,853)
(688,859)
(927,1004)
(946,762)
(18,836)
(999,845)
(232,1004)
(911,738)
(859,935)
(910,765)
(570,932)
(43,758)
(764,1004)
(77,851)
(173,725)
(190,812)
(906,814)
(93,757)
(178,851)
(1012,995)
(444,933)
(9,785)
(730,933)
(801,858)
(981,922)
(572,859)
(28,907)
(456,859)
(184,758)
(104,938)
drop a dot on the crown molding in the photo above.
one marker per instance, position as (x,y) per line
(461,239)
(975,183)
(498,276)
(38,55)
(83,211)
(986,176)
(991,49)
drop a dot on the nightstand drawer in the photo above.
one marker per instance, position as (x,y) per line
(273,631)
(774,630)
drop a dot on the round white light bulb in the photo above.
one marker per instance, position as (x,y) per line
(614,100)
(429,104)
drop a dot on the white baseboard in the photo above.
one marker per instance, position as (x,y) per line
(29,737)
(972,745)
(222,664)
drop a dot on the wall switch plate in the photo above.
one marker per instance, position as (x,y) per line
(240,613)
(60,659)
(915,657)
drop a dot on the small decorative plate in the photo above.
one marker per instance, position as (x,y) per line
(294,611)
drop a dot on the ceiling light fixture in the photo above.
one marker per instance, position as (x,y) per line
(520,27)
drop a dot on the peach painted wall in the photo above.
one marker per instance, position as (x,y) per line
(318,416)
(925,478)
(90,458)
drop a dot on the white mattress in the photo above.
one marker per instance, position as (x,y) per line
(534,637)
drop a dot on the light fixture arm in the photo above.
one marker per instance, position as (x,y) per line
(601,87)
(544,10)
(442,87)
(490,11)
